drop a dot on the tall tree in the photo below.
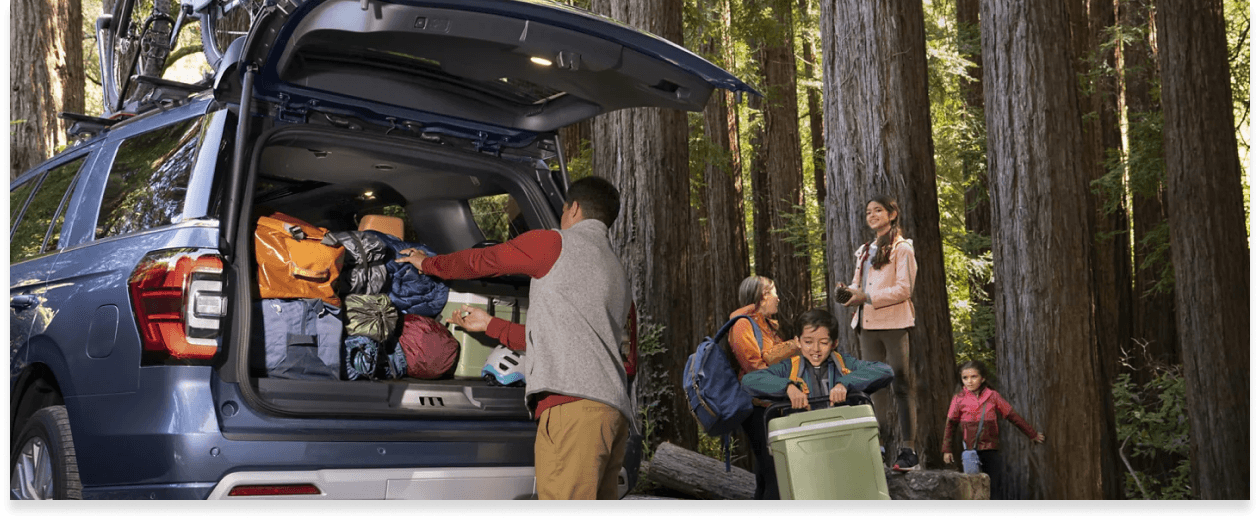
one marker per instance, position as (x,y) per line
(1091,21)
(813,104)
(46,71)
(1046,344)
(1154,315)
(652,233)
(722,177)
(977,217)
(780,150)
(1208,241)
(879,141)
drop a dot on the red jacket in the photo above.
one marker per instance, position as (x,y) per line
(965,409)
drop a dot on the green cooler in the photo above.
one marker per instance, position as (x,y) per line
(474,347)
(828,454)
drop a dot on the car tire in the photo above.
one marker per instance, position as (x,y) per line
(43,461)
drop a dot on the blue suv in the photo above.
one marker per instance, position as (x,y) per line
(133,373)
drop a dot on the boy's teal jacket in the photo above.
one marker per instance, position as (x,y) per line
(864,376)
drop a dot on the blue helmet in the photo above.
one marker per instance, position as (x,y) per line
(503,367)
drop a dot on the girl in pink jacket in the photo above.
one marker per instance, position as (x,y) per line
(882,284)
(974,403)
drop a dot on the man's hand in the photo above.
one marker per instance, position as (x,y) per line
(799,399)
(949,458)
(1040,438)
(839,394)
(470,318)
(412,256)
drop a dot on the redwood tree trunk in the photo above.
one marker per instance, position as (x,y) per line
(1208,242)
(1154,316)
(46,77)
(1091,20)
(724,200)
(789,263)
(652,233)
(1047,358)
(879,141)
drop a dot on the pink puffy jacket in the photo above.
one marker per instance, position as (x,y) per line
(890,289)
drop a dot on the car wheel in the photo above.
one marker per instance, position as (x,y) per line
(44,464)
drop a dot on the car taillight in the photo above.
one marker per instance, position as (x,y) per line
(178,300)
(259,490)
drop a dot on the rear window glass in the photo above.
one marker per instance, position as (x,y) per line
(46,207)
(498,217)
(149,179)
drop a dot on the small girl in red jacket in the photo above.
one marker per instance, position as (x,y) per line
(975,399)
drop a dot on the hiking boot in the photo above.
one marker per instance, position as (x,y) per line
(906,460)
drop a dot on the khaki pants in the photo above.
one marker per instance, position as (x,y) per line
(579,450)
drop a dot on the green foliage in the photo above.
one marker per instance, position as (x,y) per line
(959,141)
(651,385)
(1153,428)
(579,165)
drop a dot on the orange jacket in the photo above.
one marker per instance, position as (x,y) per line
(752,356)
(890,289)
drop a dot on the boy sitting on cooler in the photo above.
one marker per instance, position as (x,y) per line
(824,372)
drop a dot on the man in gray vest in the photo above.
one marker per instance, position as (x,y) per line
(579,304)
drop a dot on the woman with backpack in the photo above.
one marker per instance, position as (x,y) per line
(760,303)
(883,282)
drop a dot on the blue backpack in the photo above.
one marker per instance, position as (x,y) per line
(711,383)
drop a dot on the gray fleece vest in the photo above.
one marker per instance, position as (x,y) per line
(577,317)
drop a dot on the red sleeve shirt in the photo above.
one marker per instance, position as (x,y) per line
(532,253)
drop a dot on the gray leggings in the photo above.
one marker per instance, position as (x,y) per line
(892,347)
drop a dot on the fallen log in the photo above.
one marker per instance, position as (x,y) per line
(703,477)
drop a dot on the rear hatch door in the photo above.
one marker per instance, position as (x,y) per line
(483,69)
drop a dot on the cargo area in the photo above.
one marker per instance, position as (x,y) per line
(446,199)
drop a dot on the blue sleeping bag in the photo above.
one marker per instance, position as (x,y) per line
(410,291)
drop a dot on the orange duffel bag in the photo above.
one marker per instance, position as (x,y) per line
(292,263)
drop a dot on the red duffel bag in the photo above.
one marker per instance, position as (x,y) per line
(429,347)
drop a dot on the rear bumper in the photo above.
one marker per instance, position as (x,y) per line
(390,484)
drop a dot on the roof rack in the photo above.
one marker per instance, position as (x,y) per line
(85,126)
(164,94)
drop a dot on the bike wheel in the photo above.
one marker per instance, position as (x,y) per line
(116,52)
(223,22)
(135,47)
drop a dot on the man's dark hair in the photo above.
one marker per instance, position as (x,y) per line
(597,197)
(819,318)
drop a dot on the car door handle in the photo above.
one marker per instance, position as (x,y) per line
(22,302)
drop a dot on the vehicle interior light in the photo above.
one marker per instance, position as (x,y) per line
(541,61)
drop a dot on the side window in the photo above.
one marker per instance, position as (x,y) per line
(46,209)
(149,179)
(498,217)
(17,198)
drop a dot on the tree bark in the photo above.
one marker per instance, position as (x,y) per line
(1090,22)
(699,476)
(879,141)
(789,263)
(1154,316)
(1046,344)
(651,234)
(46,69)
(1208,242)
(725,200)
